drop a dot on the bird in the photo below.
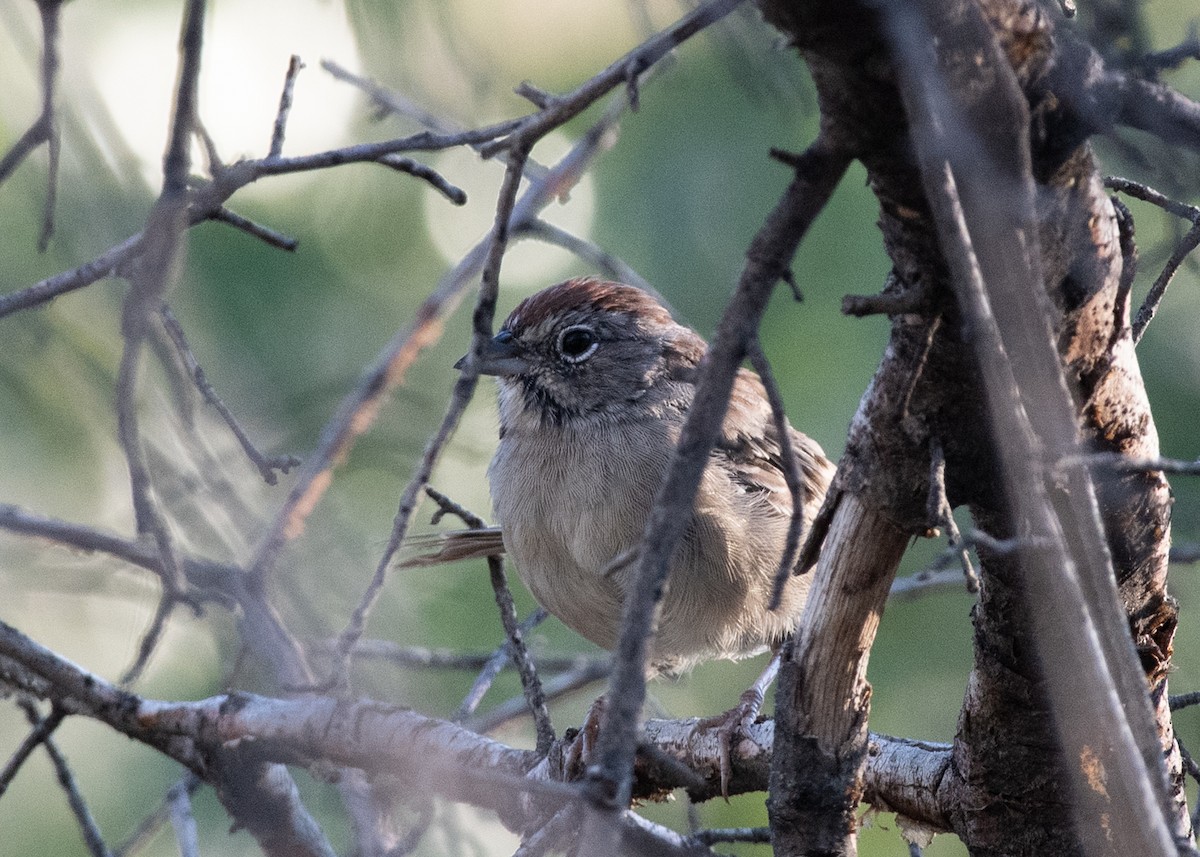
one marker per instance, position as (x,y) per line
(595,381)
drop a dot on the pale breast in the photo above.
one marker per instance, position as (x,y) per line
(568,507)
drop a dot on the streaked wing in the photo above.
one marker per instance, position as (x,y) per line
(749,446)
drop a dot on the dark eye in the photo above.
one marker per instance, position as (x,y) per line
(576,344)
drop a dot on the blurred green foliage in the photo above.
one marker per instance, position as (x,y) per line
(283,337)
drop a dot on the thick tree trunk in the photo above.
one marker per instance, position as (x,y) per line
(1013,793)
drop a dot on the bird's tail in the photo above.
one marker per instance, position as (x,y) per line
(451,546)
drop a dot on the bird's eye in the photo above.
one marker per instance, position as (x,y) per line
(577,344)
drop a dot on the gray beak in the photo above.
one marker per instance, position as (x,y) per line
(501,356)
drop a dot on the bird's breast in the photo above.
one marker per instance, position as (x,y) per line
(571,504)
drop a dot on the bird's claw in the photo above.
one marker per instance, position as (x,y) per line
(577,755)
(729,725)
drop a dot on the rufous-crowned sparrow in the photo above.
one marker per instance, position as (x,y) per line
(595,382)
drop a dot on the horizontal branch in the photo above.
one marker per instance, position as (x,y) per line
(212,578)
(378,738)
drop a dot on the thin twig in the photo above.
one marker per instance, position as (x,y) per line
(263,233)
(211,578)
(179,801)
(43,728)
(492,666)
(1185,700)
(285,107)
(1189,49)
(147,284)
(1145,314)
(389,101)
(447,506)
(1119,463)
(1186,245)
(1185,554)
(45,128)
(623,72)
(791,469)
(928,580)
(87,822)
(586,672)
(941,514)
(755,835)
(514,648)
(422,657)
(150,640)
(610,265)
(267,465)
(608,787)
(359,407)
(207,201)
(463,390)
(1145,193)
(556,834)
(151,824)
(427,174)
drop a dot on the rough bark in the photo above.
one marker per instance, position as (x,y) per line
(1011,787)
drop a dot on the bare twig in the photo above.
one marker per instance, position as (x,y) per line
(611,266)
(1185,700)
(267,465)
(1186,245)
(206,202)
(179,800)
(150,640)
(791,469)
(285,107)
(608,788)
(212,579)
(427,174)
(1188,49)
(43,728)
(885,303)
(623,72)
(422,657)
(940,513)
(484,309)
(755,835)
(45,128)
(66,779)
(152,823)
(1185,554)
(263,233)
(1148,194)
(493,665)
(148,283)
(928,580)
(1124,464)
(559,831)
(584,673)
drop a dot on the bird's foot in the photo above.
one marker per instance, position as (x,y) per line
(579,752)
(729,725)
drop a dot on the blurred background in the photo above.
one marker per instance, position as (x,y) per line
(284,336)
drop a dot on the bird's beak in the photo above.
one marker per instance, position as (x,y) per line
(501,356)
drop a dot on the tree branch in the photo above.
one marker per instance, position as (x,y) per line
(768,256)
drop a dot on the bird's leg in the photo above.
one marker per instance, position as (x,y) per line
(740,718)
(577,755)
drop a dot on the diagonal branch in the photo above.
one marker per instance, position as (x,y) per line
(768,257)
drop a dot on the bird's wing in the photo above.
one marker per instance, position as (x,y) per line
(749,446)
